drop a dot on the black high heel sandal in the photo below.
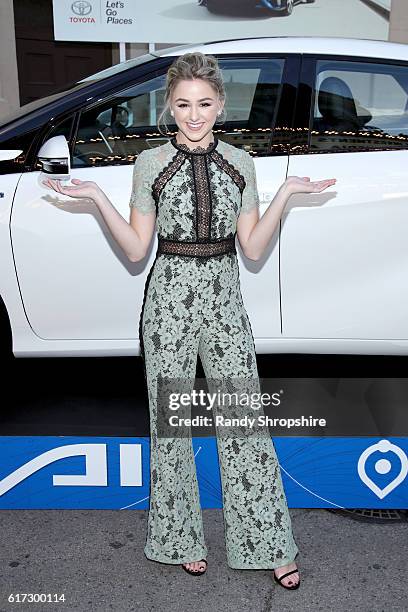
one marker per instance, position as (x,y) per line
(279,580)
(197,572)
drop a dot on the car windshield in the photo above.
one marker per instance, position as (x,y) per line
(69,88)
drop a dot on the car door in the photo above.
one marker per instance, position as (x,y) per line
(260,109)
(344,251)
(76,282)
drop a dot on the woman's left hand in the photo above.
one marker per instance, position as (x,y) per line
(303,184)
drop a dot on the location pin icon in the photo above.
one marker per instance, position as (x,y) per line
(382,466)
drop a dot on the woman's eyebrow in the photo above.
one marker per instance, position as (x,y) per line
(201,99)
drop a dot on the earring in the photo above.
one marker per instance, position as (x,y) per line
(172,114)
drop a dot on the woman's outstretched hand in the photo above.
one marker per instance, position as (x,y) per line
(303,184)
(80,189)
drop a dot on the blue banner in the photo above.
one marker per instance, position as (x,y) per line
(71,472)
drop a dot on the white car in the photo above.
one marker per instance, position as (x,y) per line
(335,276)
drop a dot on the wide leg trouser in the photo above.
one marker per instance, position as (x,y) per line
(195,315)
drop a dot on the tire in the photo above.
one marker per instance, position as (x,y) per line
(289,8)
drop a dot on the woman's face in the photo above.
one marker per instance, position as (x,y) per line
(195,105)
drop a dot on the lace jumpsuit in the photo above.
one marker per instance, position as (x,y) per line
(193,305)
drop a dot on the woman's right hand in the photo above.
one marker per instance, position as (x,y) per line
(80,189)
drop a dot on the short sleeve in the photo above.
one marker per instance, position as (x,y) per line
(142,196)
(250,196)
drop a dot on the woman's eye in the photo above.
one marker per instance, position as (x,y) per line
(203,104)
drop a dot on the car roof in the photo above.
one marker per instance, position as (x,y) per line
(331,45)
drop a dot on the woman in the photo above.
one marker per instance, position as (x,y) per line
(202,192)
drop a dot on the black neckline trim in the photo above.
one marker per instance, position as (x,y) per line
(197,150)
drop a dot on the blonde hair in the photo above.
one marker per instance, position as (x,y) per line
(187,67)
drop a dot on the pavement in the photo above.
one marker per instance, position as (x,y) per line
(95,559)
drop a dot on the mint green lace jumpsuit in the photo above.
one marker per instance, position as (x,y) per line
(193,305)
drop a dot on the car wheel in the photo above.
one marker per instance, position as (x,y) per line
(289,8)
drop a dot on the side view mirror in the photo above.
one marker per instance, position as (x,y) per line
(55,158)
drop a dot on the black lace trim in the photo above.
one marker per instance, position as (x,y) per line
(196,249)
(203,197)
(141,342)
(166,174)
(197,150)
(227,167)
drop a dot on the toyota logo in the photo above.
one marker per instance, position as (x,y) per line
(81,7)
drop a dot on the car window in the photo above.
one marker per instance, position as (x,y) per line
(116,130)
(359,106)
(62,127)
(21,142)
